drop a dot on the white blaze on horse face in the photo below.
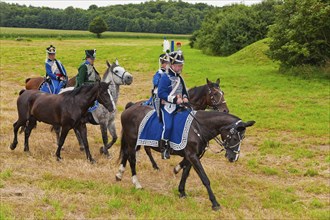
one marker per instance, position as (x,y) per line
(237,153)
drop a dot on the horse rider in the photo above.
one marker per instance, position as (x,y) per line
(87,72)
(56,77)
(172,92)
(164,65)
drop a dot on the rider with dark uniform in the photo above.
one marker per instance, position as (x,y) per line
(87,72)
(172,92)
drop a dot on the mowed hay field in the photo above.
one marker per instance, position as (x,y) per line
(283,171)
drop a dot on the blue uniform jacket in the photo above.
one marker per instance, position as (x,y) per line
(165,87)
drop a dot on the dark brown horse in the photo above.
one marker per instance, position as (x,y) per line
(64,111)
(206,126)
(209,95)
(200,98)
(35,82)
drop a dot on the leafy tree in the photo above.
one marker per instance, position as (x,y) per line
(301,33)
(98,26)
(229,29)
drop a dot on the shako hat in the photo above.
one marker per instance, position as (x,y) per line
(51,49)
(90,53)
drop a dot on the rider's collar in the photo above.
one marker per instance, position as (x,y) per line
(172,72)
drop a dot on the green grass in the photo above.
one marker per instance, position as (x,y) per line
(283,169)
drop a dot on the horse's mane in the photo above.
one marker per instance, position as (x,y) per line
(77,91)
(196,92)
(106,73)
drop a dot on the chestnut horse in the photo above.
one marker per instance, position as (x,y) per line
(64,111)
(35,82)
(200,98)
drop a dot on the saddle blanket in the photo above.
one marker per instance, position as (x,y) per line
(150,130)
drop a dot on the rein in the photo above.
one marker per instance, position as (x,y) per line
(221,143)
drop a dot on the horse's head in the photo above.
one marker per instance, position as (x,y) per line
(105,98)
(119,75)
(216,97)
(232,136)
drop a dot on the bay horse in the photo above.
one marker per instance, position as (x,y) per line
(64,111)
(207,96)
(206,126)
(200,98)
(116,76)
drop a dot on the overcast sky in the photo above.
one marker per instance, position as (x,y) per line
(86,3)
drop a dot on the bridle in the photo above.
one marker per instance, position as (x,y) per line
(224,144)
(120,77)
(214,102)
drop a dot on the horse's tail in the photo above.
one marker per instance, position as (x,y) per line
(123,146)
(20,93)
(129,105)
(27,80)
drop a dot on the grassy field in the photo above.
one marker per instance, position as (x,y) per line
(283,171)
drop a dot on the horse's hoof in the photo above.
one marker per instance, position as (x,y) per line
(156,168)
(182,196)
(92,161)
(59,159)
(101,150)
(216,208)
(177,169)
(118,178)
(12,146)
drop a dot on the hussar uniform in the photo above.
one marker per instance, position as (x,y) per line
(56,76)
(170,87)
(86,71)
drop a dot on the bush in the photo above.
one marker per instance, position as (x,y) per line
(301,33)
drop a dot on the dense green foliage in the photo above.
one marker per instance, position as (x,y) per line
(301,33)
(97,26)
(151,17)
(226,30)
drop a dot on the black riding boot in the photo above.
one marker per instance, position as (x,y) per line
(164,146)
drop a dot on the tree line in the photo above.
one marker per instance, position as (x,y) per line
(298,31)
(168,17)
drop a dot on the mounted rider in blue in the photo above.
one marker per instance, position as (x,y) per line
(172,92)
(164,65)
(56,77)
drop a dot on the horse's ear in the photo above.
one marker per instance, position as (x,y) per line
(218,81)
(241,126)
(249,123)
(208,81)
(108,64)
(116,62)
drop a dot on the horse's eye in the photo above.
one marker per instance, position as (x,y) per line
(116,71)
